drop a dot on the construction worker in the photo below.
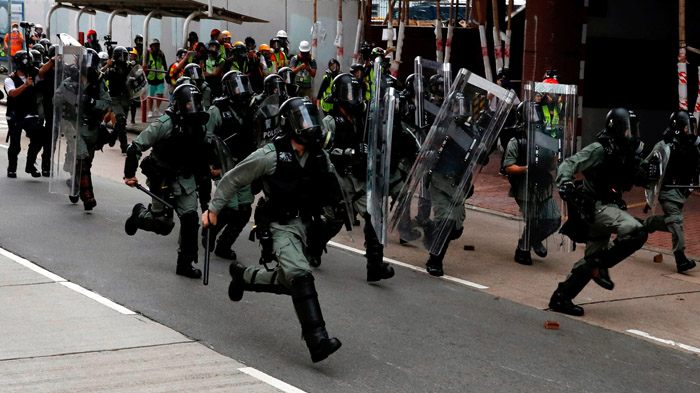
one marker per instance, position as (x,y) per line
(278,56)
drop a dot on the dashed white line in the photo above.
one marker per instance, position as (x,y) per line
(664,341)
(58,279)
(409,266)
(283,386)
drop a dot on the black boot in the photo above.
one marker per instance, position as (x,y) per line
(225,242)
(522,256)
(377,269)
(184,266)
(313,327)
(12,173)
(236,287)
(31,169)
(434,265)
(682,262)
(540,250)
(560,302)
(132,223)
(602,278)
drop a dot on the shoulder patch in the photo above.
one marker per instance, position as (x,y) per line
(285,156)
(269,148)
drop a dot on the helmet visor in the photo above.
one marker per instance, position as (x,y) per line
(288,77)
(189,104)
(349,92)
(305,120)
(239,85)
(92,59)
(195,73)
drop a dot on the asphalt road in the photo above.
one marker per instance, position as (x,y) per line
(410,334)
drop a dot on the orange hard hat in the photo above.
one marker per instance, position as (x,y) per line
(264,47)
(226,33)
(238,42)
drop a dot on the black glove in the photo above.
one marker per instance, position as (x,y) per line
(654,170)
(88,103)
(566,190)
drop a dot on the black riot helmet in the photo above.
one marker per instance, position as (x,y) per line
(275,85)
(679,123)
(288,77)
(41,49)
(52,50)
(410,84)
(184,80)
(275,43)
(436,85)
(92,62)
(391,81)
(240,50)
(187,103)
(45,43)
(357,70)
(618,127)
(194,72)
(22,60)
(300,119)
(120,55)
(333,63)
(236,86)
(346,91)
(36,58)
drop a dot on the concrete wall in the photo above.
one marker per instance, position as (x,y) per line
(294,16)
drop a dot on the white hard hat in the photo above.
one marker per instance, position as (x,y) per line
(304,46)
(282,34)
(103,55)
(38,26)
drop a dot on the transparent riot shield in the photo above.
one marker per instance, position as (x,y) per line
(427,106)
(660,154)
(68,146)
(550,119)
(449,160)
(136,82)
(267,125)
(379,131)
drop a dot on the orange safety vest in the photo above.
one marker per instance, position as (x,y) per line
(16,44)
(280,61)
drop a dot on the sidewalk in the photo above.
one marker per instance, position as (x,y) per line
(491,192)
(60,337)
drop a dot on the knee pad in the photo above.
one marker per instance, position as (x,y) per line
(163,227)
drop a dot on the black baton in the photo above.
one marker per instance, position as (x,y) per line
(156,197)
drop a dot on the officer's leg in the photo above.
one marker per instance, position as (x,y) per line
(186,205)
(86,192)
(673,218)
(120,112)
(447,217)
(156,218)
(377,269)
(434,264)
(547,223)
(238,220)
(33,129)
(320,233)
(522,250)
(15,135)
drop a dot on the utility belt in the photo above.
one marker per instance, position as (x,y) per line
(153,168)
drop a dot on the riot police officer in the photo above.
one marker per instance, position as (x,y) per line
(22,114)
(610,166)
(296,175)
(116,78)
(683,166)
(266,105)
(349,157)
(230,118)
(175,169)
(541,214)
(46,85)
(95,104)
(194,72)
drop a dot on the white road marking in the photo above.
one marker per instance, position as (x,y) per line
(665,341)
(98,298)
(283,386)
(31,266)
(58,279)
(409,266)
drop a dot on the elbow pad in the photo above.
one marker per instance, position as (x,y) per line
(132,161)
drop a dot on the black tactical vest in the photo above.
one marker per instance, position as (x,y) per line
(25,103)
(236,129)
(296,191)
(348,136)
(682,165)
(616,175)
(180,154)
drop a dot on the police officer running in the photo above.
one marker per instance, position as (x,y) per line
(297,178)
(175,169)
(610,166)
(121,101)
(683,166)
